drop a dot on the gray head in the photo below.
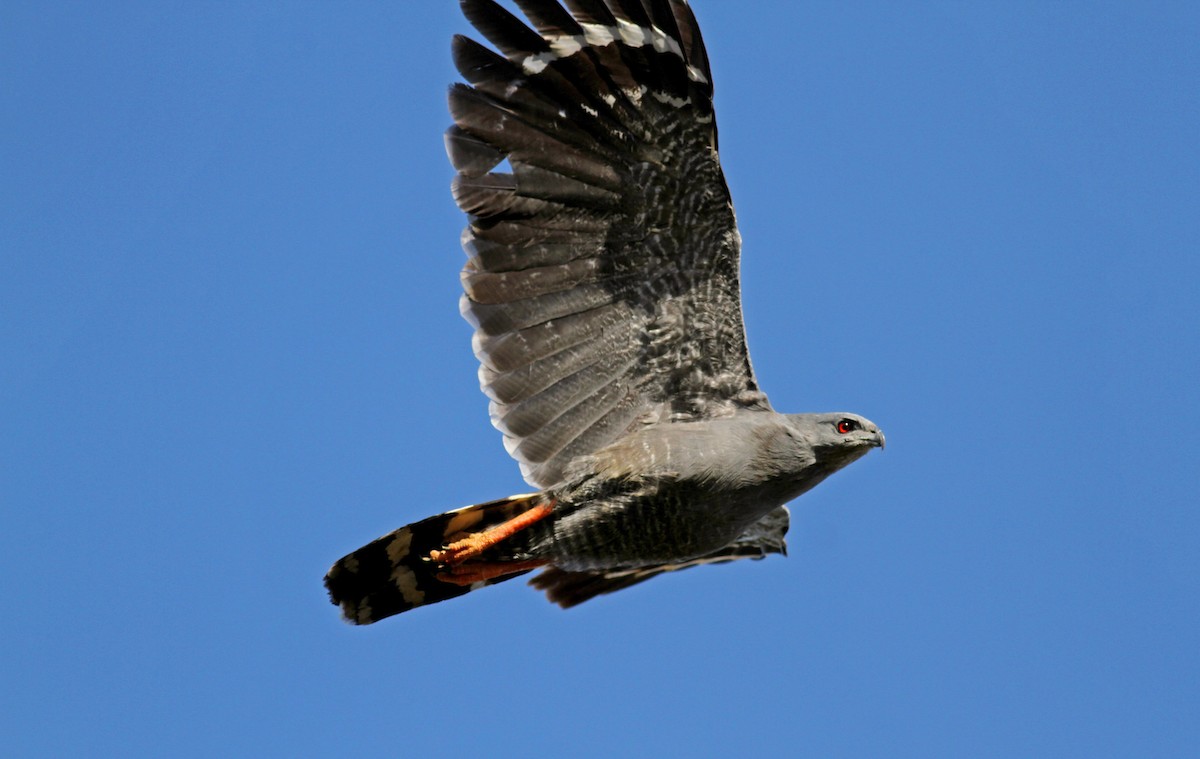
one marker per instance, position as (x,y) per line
(838,438)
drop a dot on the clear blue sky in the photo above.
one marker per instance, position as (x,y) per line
(230,351)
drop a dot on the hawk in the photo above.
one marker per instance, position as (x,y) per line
(602,284)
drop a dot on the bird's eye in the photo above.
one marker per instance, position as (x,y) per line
(848,425)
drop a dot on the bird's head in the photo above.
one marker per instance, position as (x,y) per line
(838,438)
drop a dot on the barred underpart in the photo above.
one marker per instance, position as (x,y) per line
(569,589)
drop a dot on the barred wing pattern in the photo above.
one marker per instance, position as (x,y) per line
(602,278)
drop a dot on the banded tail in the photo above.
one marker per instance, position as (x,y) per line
(395,572)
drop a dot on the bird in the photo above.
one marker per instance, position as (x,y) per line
(602,283)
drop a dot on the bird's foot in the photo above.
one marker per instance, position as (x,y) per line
(473,545)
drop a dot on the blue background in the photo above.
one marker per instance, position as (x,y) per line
(231,352)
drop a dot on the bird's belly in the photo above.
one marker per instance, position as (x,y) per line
(651,529)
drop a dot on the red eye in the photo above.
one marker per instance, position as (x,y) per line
(847,425)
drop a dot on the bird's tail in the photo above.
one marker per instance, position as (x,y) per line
(416,565)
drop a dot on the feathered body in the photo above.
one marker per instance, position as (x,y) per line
(602,282)
(674,492)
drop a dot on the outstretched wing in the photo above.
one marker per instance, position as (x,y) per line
(603,272)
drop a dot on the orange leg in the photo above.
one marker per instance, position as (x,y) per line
(473,573)
(472,546)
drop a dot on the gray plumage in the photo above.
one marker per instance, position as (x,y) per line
(687,489)
(602,282)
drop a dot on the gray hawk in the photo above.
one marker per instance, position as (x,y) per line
(602,283)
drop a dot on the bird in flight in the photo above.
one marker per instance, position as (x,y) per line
(602,284)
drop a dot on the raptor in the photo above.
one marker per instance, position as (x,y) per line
(602,284)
